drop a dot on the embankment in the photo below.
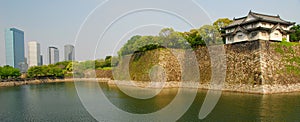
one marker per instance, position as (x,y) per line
(253,67)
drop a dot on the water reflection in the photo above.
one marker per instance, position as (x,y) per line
(280,107)
(140,106)
(59,102)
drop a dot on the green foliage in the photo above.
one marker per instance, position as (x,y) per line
(167,38)
(287,44)
(149,47)
(279,50)
(286,50)
(210,35)
(284,47)
(9,72)
(100,64)
(222,22)
(129,47)
(293,69)
(63,64)
(69,67)
(172,39)
(295,60)
(295,35)
(106,68)
(193,37)
(1,72)
(45,71)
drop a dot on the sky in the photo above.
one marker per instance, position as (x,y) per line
(98,28)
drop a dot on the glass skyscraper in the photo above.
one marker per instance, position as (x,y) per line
(69,53)
(53,55)
(14,48)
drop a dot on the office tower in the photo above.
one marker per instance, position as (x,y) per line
(69,53)
(41,60)
(53,55)
(14,47)
(34,54)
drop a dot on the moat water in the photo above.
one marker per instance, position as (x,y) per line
(60,102)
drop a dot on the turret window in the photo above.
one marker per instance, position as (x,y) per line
(240,36)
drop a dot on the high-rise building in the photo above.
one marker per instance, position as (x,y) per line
(69,53)
(53,55)
(34,54)
(42,61)
(14,47)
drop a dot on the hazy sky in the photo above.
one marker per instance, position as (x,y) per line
(57,22)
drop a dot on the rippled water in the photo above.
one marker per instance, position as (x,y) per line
(60,102)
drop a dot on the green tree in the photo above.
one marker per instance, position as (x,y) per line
(194,38)
(9,72)
(1,72)
(222,22)
(45,71)
(172,39)
(69,67)
(55,71)
(62,64)
(210,35)
(37,71)
(295,35)
(129,48)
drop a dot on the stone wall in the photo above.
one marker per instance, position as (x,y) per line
(280,63)
(243,63)
(248,63)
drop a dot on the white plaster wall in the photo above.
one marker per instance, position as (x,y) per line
(236,39)
(276,37)
(267,37)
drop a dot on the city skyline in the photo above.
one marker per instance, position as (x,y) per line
(44,26)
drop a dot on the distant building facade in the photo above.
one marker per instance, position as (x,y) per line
(14,48)
(69,53)
(34,54)
(53,55)
(257,26)
(41,60)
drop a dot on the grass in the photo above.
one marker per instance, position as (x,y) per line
(285,47)
(288,54)
(288,44)
(293,69)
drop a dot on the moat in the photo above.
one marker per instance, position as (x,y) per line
(60,102)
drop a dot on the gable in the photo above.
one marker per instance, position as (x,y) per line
(249,18)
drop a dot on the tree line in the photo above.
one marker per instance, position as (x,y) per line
(169,38)
(58,70)
(203,36)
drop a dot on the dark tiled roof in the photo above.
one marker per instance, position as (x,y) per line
(259,17)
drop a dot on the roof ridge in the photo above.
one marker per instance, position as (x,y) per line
(240,18)
(277,16)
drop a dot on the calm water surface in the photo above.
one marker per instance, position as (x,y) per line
(59,102)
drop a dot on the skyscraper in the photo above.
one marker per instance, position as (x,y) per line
(42,61)
(34,54)
(53,55)
(69,53)
(14,47)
